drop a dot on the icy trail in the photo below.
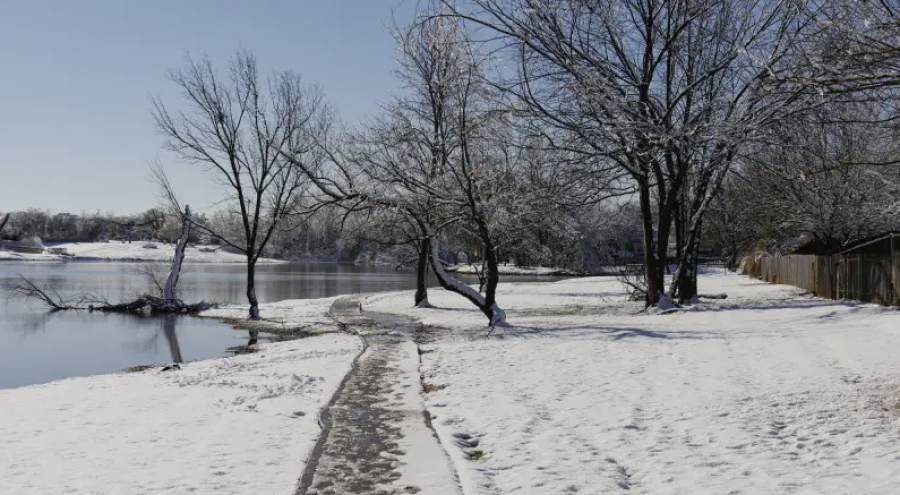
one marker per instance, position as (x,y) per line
(374,438)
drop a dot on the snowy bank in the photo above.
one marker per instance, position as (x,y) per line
(512,270)
(135,251)
(241,425)
(766,392)
(282,317)
(13,256)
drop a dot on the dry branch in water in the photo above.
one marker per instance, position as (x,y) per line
(49,296)
(146,304)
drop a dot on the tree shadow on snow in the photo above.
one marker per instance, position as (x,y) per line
(785,305)
(613,333)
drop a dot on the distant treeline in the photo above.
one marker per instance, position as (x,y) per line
(581,240)
(319,237)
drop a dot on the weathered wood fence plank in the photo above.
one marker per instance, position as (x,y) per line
(861,277)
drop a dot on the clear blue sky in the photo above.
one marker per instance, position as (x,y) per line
(75,76)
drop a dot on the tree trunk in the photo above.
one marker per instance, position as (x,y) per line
(663,231)
(686,285)
(495,315)
(421,298)
(685,280)
(491,275)
(251,288)
(178,259)
(652,272)
(680,219)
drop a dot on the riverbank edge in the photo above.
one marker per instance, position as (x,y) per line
(505,270)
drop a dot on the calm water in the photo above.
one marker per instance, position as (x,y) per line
(38,347)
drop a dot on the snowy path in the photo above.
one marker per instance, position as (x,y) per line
(375,439)
(767,392)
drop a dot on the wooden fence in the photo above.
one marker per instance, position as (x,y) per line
(861,277)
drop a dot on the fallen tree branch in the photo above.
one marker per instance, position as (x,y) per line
(47,295)
(142,305)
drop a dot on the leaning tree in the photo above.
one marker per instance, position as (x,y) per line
(232,124)
(440,154)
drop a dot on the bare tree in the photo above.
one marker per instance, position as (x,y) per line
(829,183)
(855,47)
(446,150)
(438,155)
(169,289)
(232,126)
(669,91)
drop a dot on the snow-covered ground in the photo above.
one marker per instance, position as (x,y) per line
(9,255)
(291,315)
(135,251)
(511,270)
(241,425)
(767,392)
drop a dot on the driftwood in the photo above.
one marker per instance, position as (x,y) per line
(143,305)
(150,305)
(49,296)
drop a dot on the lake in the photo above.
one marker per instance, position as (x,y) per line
(38,347)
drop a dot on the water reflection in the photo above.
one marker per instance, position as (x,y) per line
(37,346)
(34,322)
(168,328)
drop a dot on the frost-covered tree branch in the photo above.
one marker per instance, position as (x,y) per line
(670,92)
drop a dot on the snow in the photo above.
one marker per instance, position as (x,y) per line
(291,313)
(425,464)
(766,392)
(13,256)
(470,269)
(135,251)
(241,425)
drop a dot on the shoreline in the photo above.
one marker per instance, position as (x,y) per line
(505,271)
(716,370)
(70,259)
